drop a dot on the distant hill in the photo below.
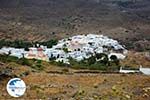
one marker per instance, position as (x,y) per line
(41,20)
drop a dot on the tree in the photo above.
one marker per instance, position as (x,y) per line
(113,57)
(24,61)
(91,60)
(49,43)
(99,55)
(103,58)
(65,50)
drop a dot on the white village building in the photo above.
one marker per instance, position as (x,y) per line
(145,71)
(13,51)
(37,53)
(77,47)
(118,55)
(84,46)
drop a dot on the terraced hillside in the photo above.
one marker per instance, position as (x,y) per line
(40,20)
(59,83)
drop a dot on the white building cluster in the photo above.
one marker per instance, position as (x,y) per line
(84,46)
(77,47)
(13,51)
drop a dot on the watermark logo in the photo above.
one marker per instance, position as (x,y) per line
(16,87)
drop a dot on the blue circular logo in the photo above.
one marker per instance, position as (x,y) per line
(16,87)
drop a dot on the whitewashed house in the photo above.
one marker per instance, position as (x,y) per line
(84,46)
(118,55)
(78,47)
(125,71)
(64,60)
(13,51)
(5,50)
(36,53)
(18,53)
(145,71)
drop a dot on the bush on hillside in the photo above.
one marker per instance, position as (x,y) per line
(24,61)
(37,65)
(49,43)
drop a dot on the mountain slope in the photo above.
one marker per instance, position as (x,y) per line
(40,20)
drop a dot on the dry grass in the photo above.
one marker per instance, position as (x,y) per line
(77,86)
(55,82)
(135,59)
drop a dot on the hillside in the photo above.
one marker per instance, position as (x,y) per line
(41,20)
(58,83)
(75,65)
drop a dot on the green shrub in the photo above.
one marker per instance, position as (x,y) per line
(15,44)
(98,66)
(91,60)
(65,50)
(25,44)
(37,65)
(7,58)
(24,61)
(113,57)
(49,43)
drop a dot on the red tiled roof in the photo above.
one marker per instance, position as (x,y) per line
(40,49)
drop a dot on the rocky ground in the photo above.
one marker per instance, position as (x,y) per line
(60,83)
(83,87)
